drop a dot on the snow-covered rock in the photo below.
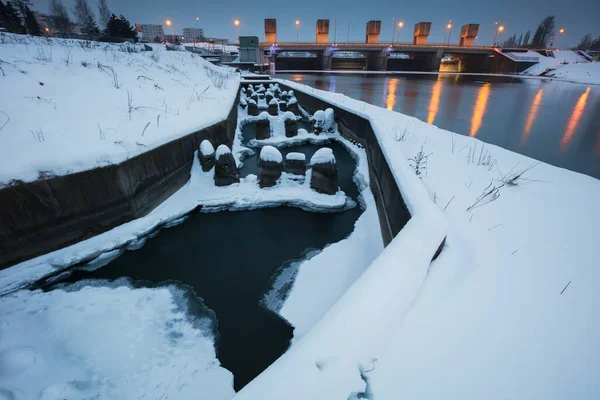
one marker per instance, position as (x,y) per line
(206,155)
(323,156)
(270,153)
(222,150)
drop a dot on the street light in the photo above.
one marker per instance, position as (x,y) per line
(400,25)
(237,25)
(169,23)
(297,26)
(561,32)
(449,27)
(348,31)
(499,30)
(196,33)
(393,29)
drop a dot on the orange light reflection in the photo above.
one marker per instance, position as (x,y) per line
(574,120)
(434,102)
(479,109)
(390,99)
(533,112)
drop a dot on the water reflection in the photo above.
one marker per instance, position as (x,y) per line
(390,98)
(411,95)
(479,109)
(434,103)
(574,120)
(597,146)
(533,112)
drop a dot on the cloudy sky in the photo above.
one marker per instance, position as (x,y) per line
(577,17)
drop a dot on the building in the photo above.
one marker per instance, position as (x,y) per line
(193,34)
(151,31)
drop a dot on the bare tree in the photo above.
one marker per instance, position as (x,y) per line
(85,18)
(526,39)
(585,43)
(103,13)
(545,32)
(61,17)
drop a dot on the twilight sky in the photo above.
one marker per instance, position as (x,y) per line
(578,17)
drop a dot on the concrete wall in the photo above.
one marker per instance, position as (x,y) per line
(391,209)
(45,215)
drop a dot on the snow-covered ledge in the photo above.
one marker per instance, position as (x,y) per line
(330,361)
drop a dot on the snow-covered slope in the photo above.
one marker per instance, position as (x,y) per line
(567,65)
(70,105)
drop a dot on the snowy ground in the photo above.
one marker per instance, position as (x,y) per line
(510,309)
(107,342)
(71,105)
(567,65)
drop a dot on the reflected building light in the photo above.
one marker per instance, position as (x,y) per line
(390,99)
(434,103)
(479,109)
(574,120)
(533,112)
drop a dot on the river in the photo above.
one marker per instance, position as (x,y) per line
(551,121)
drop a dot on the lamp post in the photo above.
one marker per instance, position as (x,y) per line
(297,26)
(170,24)
(400,25)
(196,33)
(560,32)
(348,32)
(393,29)
(449,27)
(499,30)
(237,25)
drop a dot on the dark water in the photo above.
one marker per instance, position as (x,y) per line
(555,122)
(229,258)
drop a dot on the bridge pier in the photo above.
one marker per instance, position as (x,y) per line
(324,59)
(376,61)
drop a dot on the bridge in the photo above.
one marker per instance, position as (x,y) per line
(371,55)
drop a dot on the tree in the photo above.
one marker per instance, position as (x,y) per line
(595,44)
(526,39)
(22,6)
(120,27)
(33,28)
(585,43)
(103,14)
(10,18)
(544,33)
(85,18)
(61,18)
(520,41)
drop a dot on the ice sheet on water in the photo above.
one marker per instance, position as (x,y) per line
(101,339)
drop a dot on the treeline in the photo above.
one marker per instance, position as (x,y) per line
(544,37)
(16,16)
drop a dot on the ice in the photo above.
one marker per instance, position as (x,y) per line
(222,150)
(270,153)
(206,148)
(323,156)
(295,156)
(112,342)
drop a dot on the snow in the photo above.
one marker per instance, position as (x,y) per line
(289,115)
(566,65)
(109,341)
(206,148)
(222,150)
(270,153)
(323,156)
(292,101)
(295,156)
(488,311)
(264,115)
(319,116)
(82,119)
(274,102)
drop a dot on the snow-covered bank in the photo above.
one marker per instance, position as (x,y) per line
(71,105)
(508,310)
(107,342)
(567,65)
